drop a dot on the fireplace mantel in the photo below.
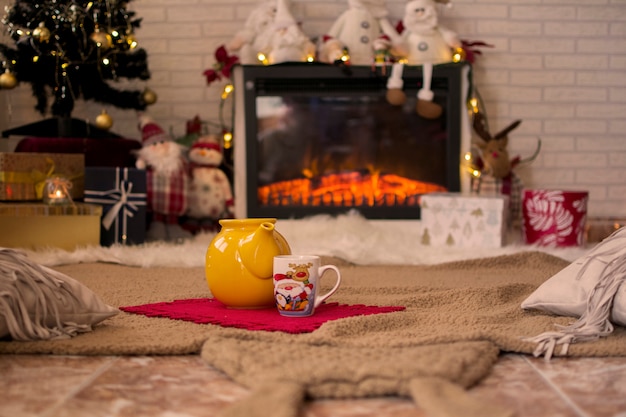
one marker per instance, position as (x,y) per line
(264,102)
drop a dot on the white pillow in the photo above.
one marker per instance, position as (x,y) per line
(38,303)
(591,288)
(567,292)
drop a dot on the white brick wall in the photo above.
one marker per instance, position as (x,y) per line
(559,65)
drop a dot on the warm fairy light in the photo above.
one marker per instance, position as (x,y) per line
(262,58)
(310,58)
(130,40)
(403,61)
(228,88)
(228,140)
(468,156)
(474,104)
(36,58)
(106,61)
(345,56)
(458,55)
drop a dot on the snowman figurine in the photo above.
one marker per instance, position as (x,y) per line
(425,43)
(356,30)
(210,193)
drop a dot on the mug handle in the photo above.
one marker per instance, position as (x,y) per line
(320,272)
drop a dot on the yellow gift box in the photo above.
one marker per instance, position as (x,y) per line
(23,174)
(38,225)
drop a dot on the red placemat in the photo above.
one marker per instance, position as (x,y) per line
(211,311)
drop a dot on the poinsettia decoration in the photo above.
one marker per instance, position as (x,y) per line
(222,67)
(471,49)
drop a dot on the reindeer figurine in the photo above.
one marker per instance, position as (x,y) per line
(496,166)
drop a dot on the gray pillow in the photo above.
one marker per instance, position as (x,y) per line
(38,303)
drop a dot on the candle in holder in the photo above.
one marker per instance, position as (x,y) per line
(56,191)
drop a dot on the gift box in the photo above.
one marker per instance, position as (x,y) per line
(554,218)
(109,152)
(23,175)
(38,225)
(463,220)
(122,194)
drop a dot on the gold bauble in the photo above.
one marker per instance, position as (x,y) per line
(8,80)
(42,33)
(102,39)
(149,96)
(104,121)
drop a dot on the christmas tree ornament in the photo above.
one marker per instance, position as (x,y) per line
(131,41)
(101,38)
(8,80)
(41,33)
(149,96)
(104,121)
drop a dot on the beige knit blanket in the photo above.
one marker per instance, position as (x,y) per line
(459,316)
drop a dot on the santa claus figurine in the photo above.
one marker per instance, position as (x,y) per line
(288,42)
(167,179)
(357,29)
(210,193)
(256,33)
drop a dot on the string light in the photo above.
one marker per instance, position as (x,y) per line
(458,55)
(345,55)
(262,58)
(473,102)
(228,88)
(228,139)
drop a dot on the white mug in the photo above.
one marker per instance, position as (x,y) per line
(296,281)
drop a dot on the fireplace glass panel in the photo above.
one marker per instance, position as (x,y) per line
(331,143)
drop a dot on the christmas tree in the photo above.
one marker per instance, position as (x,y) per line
(70,49)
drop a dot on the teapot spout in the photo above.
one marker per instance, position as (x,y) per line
(258,249)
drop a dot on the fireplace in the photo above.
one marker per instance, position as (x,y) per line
(322,139)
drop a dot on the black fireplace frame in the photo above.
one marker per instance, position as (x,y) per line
(251,81)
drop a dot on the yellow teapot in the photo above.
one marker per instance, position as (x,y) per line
(239,262)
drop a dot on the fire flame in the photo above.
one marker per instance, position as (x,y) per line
(347,189)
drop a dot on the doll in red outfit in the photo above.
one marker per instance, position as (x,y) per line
(167,179)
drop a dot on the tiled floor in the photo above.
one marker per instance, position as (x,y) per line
(183,386)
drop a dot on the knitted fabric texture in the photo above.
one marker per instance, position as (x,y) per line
(211,311)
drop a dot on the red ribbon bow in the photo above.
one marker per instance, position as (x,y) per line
(223,66)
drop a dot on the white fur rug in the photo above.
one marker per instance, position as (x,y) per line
(350,237)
